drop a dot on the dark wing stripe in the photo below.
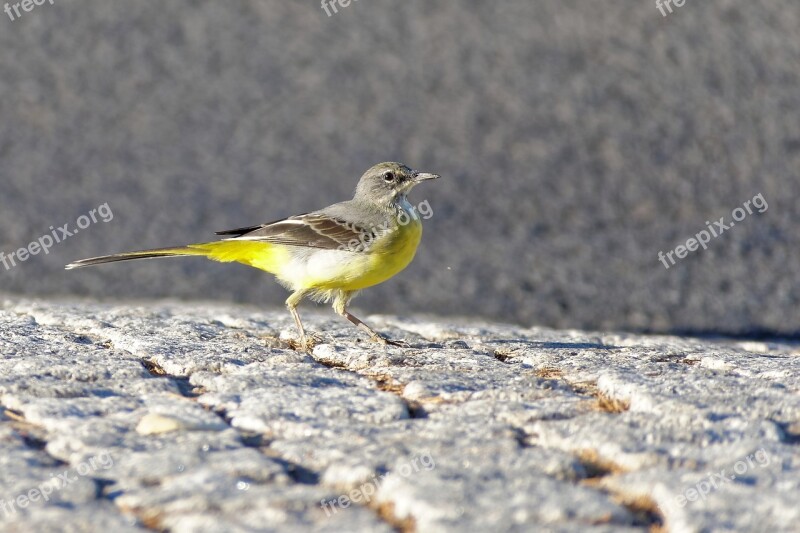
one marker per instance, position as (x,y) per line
(249,229)
(237,231)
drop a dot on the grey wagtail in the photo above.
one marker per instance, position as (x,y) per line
(329,254)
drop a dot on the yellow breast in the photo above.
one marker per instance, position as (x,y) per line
(390,254)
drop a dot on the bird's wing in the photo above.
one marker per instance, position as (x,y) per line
(312,230)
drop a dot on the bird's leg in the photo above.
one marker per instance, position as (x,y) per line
(340,306)
(291,304)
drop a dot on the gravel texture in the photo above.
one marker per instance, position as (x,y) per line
(200,417)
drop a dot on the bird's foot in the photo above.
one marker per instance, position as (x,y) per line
(389,342)
(305,343)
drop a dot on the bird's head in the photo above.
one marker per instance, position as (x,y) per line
(385,183)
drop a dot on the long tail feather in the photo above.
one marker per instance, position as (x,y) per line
(141,254)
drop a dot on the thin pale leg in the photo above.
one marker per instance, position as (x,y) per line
(340,306)
(291,304)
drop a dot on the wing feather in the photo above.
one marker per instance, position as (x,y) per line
(313,230)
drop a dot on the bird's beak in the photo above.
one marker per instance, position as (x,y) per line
(423,176)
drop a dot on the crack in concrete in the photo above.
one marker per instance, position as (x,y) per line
(295,471)
(383,382)
(35,437)
(643,509)
(385,512)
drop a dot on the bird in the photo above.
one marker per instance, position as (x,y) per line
(327,255)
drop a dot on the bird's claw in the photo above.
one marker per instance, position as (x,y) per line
(389,342)
(305,343)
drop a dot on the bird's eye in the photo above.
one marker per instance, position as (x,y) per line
(388,177)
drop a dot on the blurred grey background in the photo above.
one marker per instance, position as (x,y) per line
(576,139)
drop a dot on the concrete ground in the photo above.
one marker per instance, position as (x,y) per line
(201,417)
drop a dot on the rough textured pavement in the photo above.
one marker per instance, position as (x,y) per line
(201,417)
